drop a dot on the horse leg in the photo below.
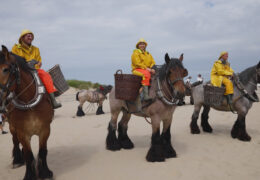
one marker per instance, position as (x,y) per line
(169,152)
(80,111)
(194,128)
(156,152)
(239,129)
(18,159)
(123,138)
(43,170)
(204,120)
(112,142)
(30,173)
(100,108)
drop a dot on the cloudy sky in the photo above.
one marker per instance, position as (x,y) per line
(92,39)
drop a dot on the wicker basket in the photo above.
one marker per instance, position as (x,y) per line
(213,95)
(127,86)
(58,80)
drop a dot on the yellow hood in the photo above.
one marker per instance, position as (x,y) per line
(141,40)
(222,53)
(24,32)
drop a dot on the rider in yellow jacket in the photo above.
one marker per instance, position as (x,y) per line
(220,74)
(29,52)
(142,63)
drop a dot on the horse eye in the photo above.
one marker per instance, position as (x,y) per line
(6,70)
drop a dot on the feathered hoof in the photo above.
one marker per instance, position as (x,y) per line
(155,154)
(194,129)
(126,143)
(207,128)
(80,112)
(169,152)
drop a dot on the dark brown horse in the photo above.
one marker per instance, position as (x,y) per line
(29,112)
(167,88)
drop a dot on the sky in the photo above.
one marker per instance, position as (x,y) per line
(91,40)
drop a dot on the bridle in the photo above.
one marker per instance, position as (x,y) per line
(169,89)
(5,88)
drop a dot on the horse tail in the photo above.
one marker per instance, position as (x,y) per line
(77,96)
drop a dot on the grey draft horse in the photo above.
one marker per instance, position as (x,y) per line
(243,99)
(167,88)
(93,96)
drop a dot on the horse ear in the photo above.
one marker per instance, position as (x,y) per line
(181,57)
(167,58)
(5,52)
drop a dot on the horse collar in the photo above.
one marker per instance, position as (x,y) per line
(161,95)
(40,90)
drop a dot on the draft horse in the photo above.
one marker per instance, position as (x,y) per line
(167,88)
(243,98)
(93,96)
(29,112)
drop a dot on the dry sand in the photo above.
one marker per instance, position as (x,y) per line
(77,148)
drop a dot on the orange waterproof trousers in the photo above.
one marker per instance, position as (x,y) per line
(46,80)
(146,75)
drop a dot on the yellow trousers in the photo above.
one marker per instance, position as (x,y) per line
(229,86)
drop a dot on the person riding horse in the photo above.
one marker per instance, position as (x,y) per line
(31,53)
(142,63)
(220,74)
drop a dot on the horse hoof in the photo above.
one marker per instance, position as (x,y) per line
(17,165)
(46,175)
(113,147)
(127,144)
(155,154)
(169,152)
(207,128)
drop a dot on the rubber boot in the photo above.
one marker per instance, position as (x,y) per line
(229,98)
(146,96)
(55,104)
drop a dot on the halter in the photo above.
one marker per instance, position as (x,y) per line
(10,95)
(173,100)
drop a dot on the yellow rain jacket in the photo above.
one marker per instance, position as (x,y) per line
(219,75)
(27,53)
(142,60)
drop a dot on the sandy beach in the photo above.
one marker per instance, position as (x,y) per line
(76,148)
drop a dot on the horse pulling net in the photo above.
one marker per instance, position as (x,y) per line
(58,80)
(127,86)
(213,95)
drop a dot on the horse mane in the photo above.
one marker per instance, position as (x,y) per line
(174,63)
(245,75)
(21,62)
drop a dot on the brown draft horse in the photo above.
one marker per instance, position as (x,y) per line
(167,88)
(26,118)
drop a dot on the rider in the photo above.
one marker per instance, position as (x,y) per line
(220,74)
(29,52)
(142,63)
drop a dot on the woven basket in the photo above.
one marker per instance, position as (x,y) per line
(58,80)
(127,86)
(213,95)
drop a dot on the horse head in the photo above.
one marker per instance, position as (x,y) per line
(8,68)
(175,72)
